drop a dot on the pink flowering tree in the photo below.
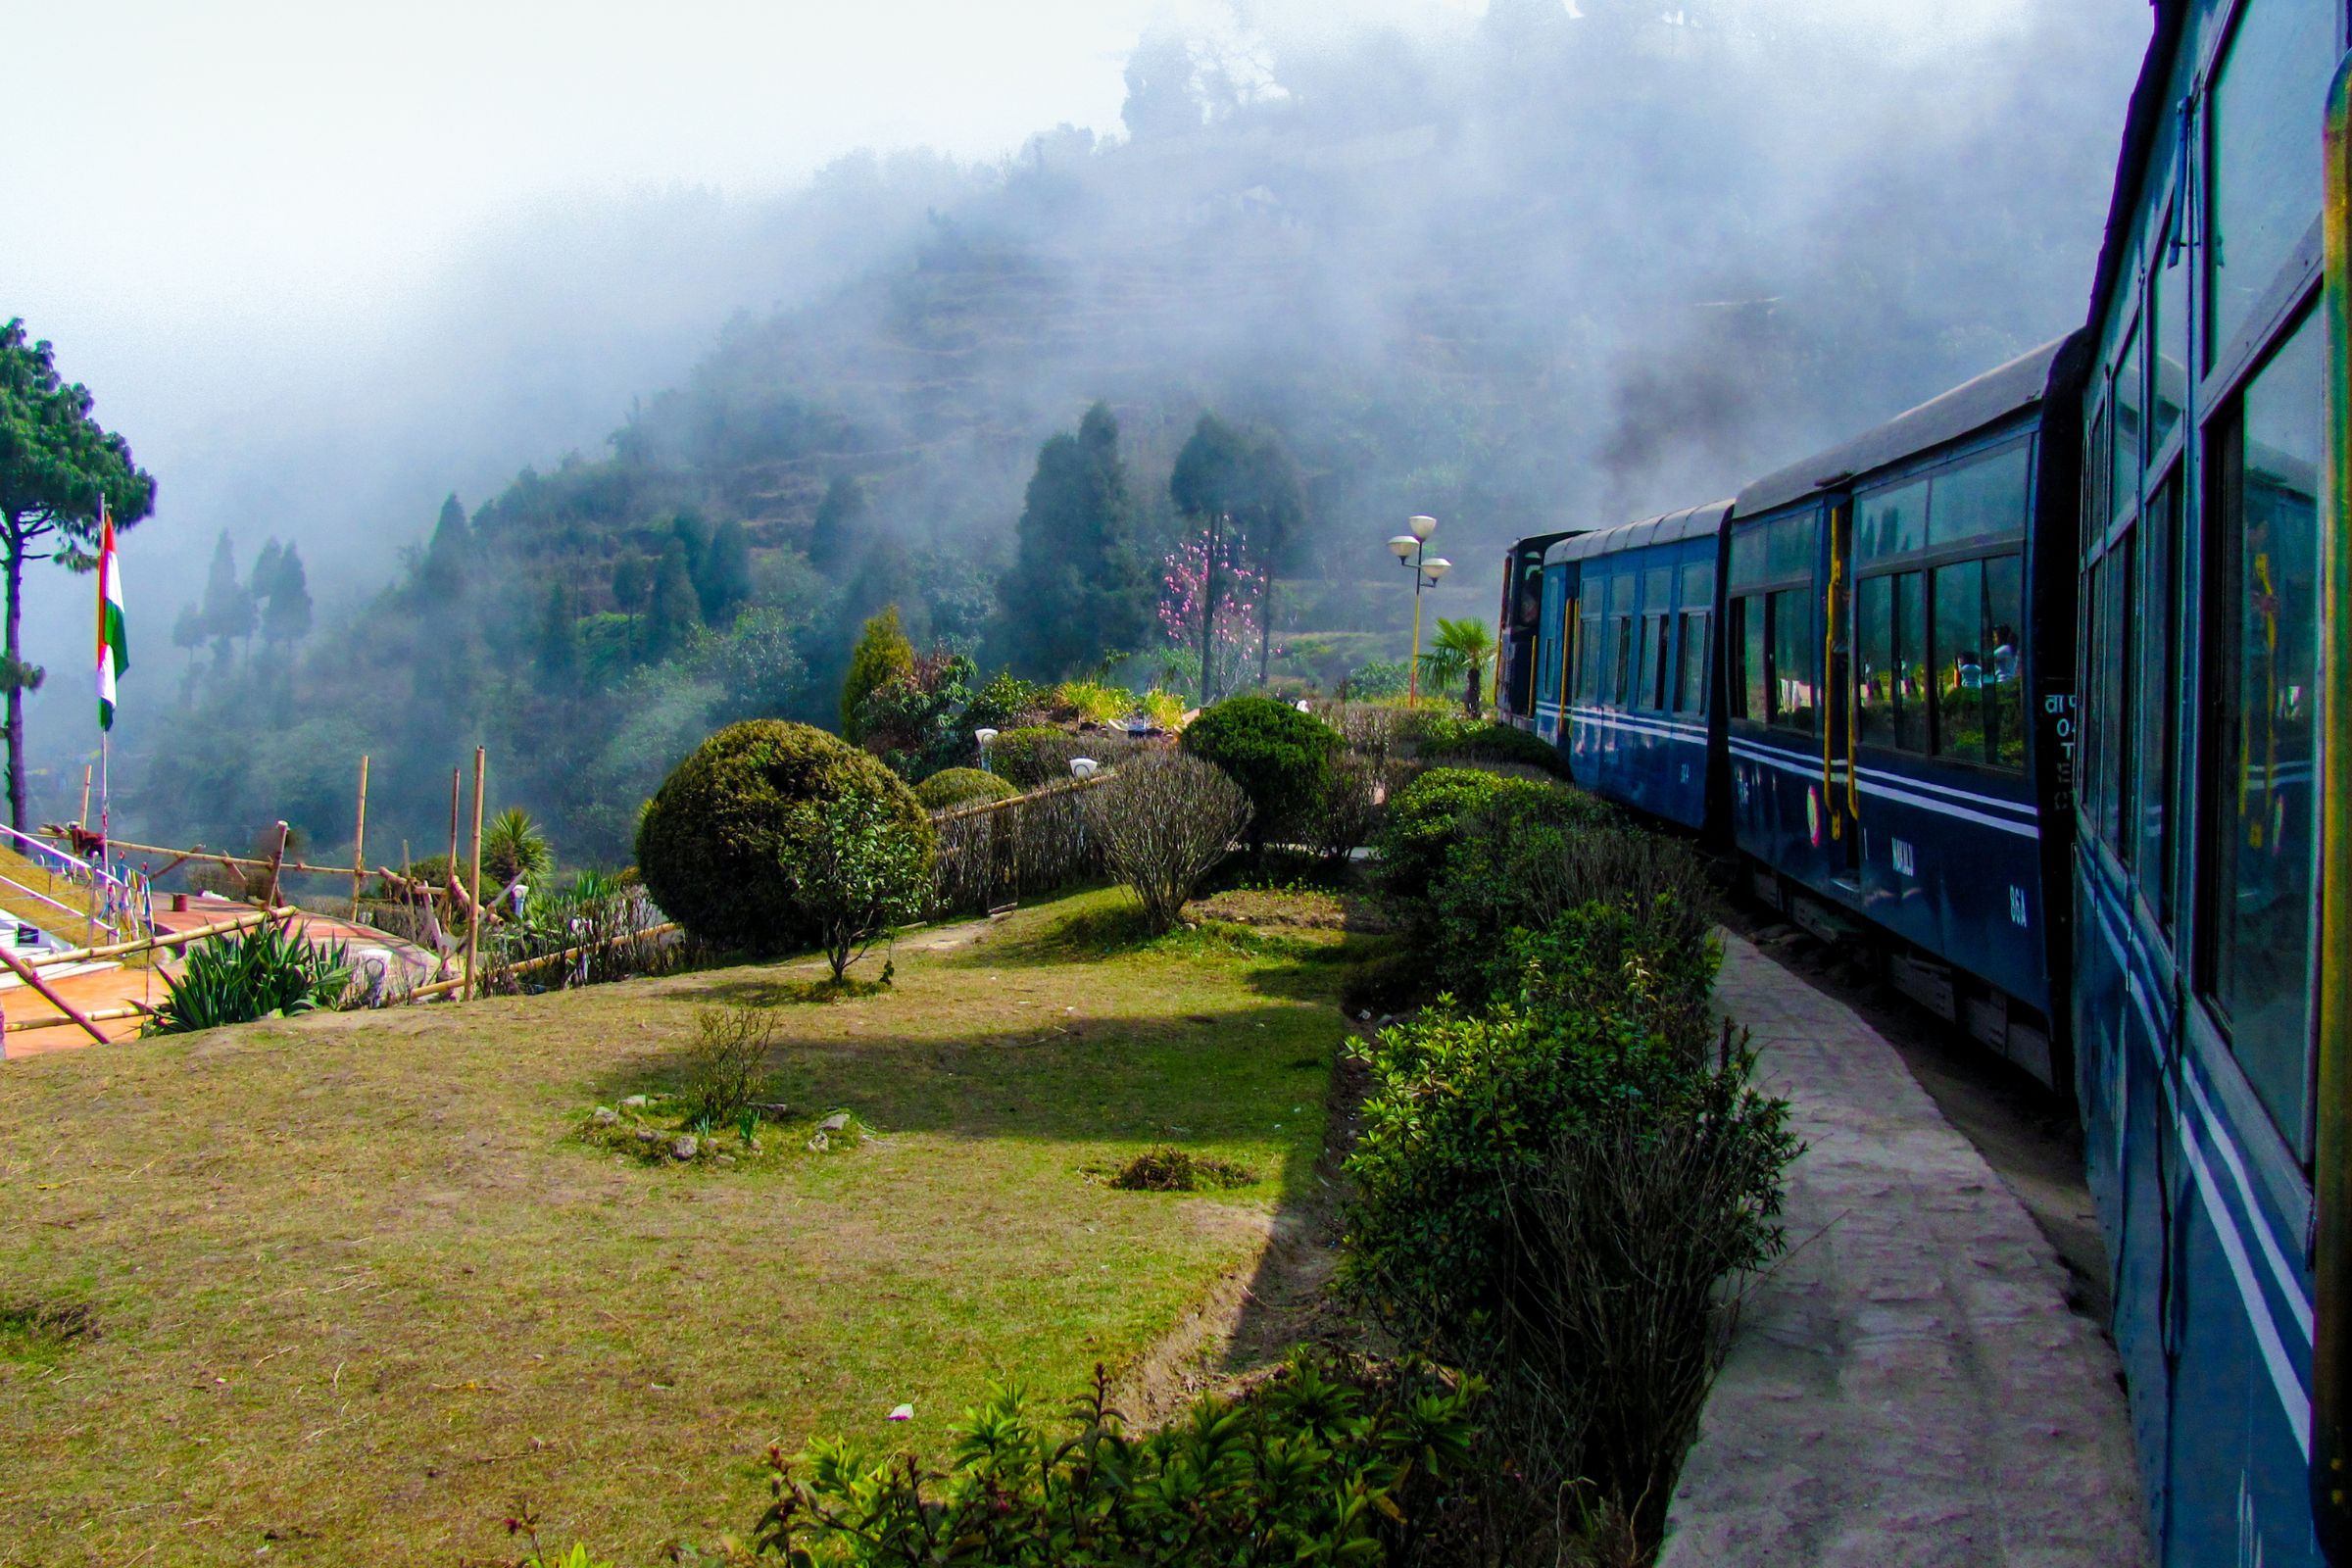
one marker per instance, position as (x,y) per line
(1187,586)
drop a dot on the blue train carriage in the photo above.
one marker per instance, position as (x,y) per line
(1899,657)
(1630,624)
(1520,631)
(2200,962)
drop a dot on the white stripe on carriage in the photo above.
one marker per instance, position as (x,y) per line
(2298,1305)
(2292,1399)
(2024,830)
(1696,734)
(1990,802)
(1783,762)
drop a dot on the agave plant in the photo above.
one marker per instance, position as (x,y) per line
(265,971)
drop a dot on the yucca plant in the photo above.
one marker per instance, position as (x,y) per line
(514,847)
(265,971)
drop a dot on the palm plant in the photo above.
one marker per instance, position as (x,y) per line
(1461,651)
(513,847)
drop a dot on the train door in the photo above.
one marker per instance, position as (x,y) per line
(1840,790)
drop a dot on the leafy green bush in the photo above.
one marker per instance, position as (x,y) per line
(1468,741)
(264,971)
(1347,809)
(1093,703)
(727,843)
(1325,1461)
(916,723)
(1379,679)
(1280,757)
(882,654)
(1433,812)
(1014,756)
(858,874)
(961,786)
(1005,703)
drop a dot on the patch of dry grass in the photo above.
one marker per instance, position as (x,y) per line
(360,1290)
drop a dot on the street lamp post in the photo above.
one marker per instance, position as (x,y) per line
(1412,551)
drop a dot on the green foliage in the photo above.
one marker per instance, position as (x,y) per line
(723,586)
(227,615)
(281,587)
(1379,680)
(673,614)
(1005,702)
(1431,815)
(916,724)
(514,847)
(557,657)
(1458,657)
(834,537)
(1166,819)
(1076,590)
(448,562)
(728,843)
(1280,757)
(1326,1461)
(1169,1169)
(1021,755)
(1094,703)
(726,1066)
(632,580)
(882,654)
(1165,710)
(961,786)
(262,971)
(1492,743)
(859,873)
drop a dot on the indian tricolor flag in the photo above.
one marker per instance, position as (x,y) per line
(114,654)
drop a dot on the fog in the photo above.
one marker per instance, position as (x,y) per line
(1539,265)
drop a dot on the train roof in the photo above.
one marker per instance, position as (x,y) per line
(1693,522)
(2150,112)
(1971,407)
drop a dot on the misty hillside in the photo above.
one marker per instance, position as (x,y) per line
(1542,271)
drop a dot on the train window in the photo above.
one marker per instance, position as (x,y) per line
(2088,755)
(1795,652)
(1790,551)
(1982,499)
(1874,661)
(2157,682)
(2265,175)
(2005,670)
(1657,590)
(2123,485)
(1698,585)
(2264,593)
(2114,696)
(1911,716)
(2094,474)
(1587,663)
(1960,661)
(1622,660)
(1748,555)
(1750,677)
(1891,521)
(1691,695)
(2168,331)
(1657,630)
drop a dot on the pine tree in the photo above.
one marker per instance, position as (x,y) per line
(227,613)
(558,652)
(834,538)
(670,619)
(285,593)
(449,555)
(689,529)
(882,654)
(725,583)
(1076,590)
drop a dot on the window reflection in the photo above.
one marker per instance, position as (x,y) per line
(2266,171)
(1792,660)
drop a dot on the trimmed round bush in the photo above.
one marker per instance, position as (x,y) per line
(1495,743)
(1280,757)
(961,786)
(1438,809)
(722,843)
(1014,754)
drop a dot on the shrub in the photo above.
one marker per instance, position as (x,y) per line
(1378,679)
(859,874)
(1326,1461)
(264,971)
(1494,743)
(1093,703)
(1165,710)
(1278,756)
(1165,820)
(961,786)
(1177,1170)
(1014,754)
(1007,702)
(513,847)
(1423,822)
(914,722)
(727,1065)
(1347,809)
(726,844)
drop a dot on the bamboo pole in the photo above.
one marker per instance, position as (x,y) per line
(200,852)
(278,865)
(102,1016)
(453,824)
(31,978)
(178,938)
(473,880)
(84,821)
(359,843)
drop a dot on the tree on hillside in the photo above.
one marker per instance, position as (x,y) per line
(448,554)
(724,584)
(694,534)
(1076,591)
(630,584)
(285,591)
(56,464)
(1209,485)
(835,534)
(883,655)
(1273,516)
(227,613)
(558,653)
(670,619)
(187,635)
(1162,99)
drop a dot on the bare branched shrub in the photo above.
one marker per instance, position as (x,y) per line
(726,1070)
(1164,821)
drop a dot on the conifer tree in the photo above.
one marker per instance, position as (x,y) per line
(882,654)
(1076,590)
(671,617)
(834,538)
(558,655)
(449,555)
(227,613)
(725,583)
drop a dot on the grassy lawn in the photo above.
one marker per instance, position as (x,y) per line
(360,1290)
